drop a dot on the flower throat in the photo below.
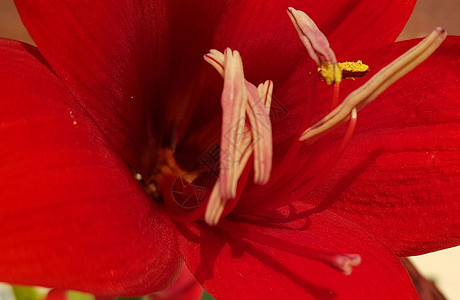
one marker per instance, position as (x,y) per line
(246,138)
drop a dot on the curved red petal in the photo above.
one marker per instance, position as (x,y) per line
(368,27)
(230,267)
(186,287)
(110,54)
(56,294)
(73,217)
(400,177)
(264,35)
(269,45)
(118,51)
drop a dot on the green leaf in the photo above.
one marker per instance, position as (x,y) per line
(206,296)
(25,292)
(74,295)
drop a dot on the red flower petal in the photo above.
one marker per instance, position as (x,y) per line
(186,287)
(400,176)
(368,27)
(108,54)
(270,49)
(265,37)
(233,268)
(56,294)
(72,214)
(118,51)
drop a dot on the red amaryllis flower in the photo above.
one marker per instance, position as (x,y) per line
(117,88)
(186,287)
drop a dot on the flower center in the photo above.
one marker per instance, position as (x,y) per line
(246,140)
(318,48)
(246,131)
(246,136)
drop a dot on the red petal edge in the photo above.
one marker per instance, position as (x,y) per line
(400,178)
(112,55)
(230,267)
(73,217)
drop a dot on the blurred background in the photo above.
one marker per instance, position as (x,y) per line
(443,266)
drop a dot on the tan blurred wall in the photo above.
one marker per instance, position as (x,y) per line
(10,23)
(429,14)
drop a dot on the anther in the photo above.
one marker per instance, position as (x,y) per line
(313,39)
(377,84)
(349,69)
(317,45)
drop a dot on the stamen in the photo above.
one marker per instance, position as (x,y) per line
(255,136)
(353,69)
(258,118)
(331,73)
(216,59)
(265,91)
(261,132)
(317,45)
(376,85)
(313,39)
(234,98)
(340,262)
(346,69)
(215,206)
(335,95)
(264,160)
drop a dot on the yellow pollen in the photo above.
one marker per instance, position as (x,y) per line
(331,72)
(377,84)
(352,66)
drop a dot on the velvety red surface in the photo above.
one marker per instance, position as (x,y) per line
(112,80)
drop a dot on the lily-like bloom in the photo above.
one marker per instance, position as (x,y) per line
(123,154)
(186,287)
